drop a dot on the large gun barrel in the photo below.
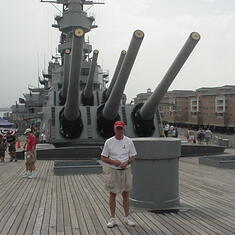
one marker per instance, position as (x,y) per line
(87,96)
(63,93)
(149,108)
(116,72)
(107,113)
(143,114)
(112,105)
(70,116)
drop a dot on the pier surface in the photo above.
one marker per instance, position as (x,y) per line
(78,204)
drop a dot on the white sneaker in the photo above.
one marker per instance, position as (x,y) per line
(129,222)
(25,175)
(30,176)
(111,223)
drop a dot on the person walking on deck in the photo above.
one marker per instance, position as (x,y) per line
(191,136)
(30,154)
(166,129)
(11,141)
(43,138)
(200,136)
(119,152)
(2,148)
(208,136)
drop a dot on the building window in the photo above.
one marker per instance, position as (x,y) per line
(172,102)
(219,115)
(195,104)
(220,104)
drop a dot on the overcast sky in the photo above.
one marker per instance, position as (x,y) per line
(26,35)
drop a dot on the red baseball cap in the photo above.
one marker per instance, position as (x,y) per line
(119,123)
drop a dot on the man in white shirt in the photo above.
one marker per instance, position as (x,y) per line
(166,129)
(119,152)
(43,138)
(208,135)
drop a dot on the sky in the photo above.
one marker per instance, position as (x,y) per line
(28,41)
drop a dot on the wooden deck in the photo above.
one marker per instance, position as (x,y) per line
(78,204)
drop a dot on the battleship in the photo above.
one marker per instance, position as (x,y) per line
(74,107)
(78,110)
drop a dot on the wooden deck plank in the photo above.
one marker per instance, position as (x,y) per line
(208,173)
(162,227)
(214,207)
(79,214)
(68,230)
(20,216)
(178,227)
(215,217)
(8,189)
(47,212)
(16,207)
(83,187)
(8,171)
(79,204)
(167,223)
(180,223)
(30,202)
(214,222)
(72,212)
(36,200)
(11,194)
(223,208)
(145,224)
(21,206)
(59,207)
(103,201)
(214,190)
(12,202)
(119,209)
(41,210)
(66,214)
(185,221)
(201,228)
(204,222)
(52,223)
(100,211)
(223,201)
(83,207)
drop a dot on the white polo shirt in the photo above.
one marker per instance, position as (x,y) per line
(119,150)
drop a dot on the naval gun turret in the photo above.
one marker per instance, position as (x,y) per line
(107,114)
(87,95)
(115,75)
(80,109)
(63,92)
(70,115)
(143,114)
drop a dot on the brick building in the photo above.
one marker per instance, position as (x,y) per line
(142,97)
(174,107)
(208,107)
